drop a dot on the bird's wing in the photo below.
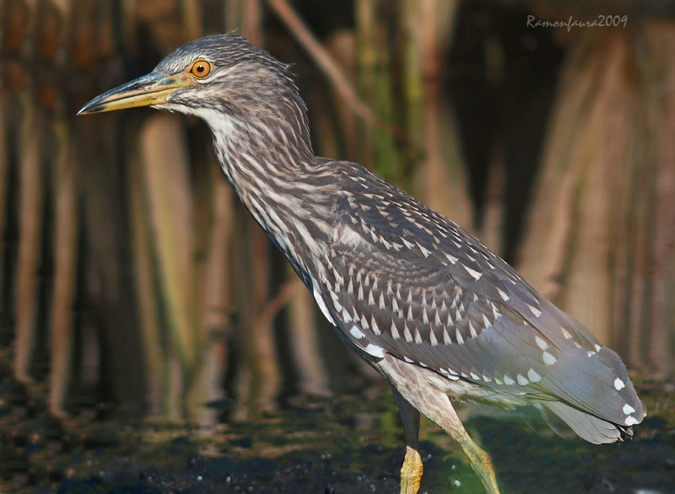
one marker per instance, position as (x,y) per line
(405,281)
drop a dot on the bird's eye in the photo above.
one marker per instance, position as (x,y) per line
(200,69)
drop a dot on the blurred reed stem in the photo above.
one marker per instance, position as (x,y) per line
(169,197)
(440,175)
(217,297)
(656,101)
(303,327)
(343,48)
(191,16)
(157,371)
(569,179)
(5,113)
(7,186)
(31,200)
(376,86)
(66,252)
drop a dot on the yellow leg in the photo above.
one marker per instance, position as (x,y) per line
(414,392)
(481,463)
(411,472)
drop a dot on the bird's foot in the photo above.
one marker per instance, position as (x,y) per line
(482,465)
(411,471)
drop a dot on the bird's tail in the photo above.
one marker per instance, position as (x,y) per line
(589,427)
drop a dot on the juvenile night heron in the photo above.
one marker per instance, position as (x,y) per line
(421,300)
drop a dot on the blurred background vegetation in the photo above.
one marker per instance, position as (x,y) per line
(131,279)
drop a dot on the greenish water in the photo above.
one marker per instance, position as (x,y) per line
(334,444)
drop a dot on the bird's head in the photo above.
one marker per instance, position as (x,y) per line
(217,77)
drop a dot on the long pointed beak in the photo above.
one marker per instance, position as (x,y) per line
(148,90)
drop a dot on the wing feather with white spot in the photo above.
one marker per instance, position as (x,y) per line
(406,281)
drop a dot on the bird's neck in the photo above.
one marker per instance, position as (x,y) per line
(273,171)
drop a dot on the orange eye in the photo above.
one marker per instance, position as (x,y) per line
(200,69)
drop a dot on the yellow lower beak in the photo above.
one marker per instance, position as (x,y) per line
(148,90)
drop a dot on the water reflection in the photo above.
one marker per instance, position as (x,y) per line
(350,443)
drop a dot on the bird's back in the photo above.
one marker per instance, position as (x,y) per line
(400,279)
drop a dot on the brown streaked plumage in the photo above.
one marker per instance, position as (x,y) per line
(419,298)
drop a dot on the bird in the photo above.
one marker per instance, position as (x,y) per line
(440,316)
